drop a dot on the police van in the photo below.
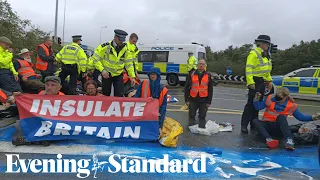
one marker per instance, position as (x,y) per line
(171,59)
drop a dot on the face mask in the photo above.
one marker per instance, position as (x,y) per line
(278,98)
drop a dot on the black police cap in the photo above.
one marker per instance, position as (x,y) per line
(263,38)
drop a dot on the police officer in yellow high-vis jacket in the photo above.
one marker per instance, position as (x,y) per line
(258,68)
(110,59)
(192,62)
(132,47)
(74,62)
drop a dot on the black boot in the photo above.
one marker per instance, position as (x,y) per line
(244,129)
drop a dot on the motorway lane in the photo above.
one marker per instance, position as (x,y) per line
(226,107)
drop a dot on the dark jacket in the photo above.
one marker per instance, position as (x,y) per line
(198,99)
(155,89)
(52,68)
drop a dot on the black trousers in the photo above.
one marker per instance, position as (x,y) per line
(118,86)
(44,74)
(250,113)
(72,71)
(7,81)
(193,107)
(278,128)
(95,77)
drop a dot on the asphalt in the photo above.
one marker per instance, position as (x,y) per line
(236,148)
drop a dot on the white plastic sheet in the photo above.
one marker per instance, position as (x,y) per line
(211,128)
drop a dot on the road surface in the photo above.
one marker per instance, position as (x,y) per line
(237,156)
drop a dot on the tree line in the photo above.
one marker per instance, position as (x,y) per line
(25,35)
(284,61)
(21,32)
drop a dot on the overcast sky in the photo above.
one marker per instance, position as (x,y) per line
(217,23)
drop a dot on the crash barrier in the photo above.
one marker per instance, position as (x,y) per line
(230,79)
(44,117)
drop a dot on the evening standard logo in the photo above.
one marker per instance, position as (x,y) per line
(114,164)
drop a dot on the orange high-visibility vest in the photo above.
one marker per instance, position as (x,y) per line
(271,114)
(126,78)
(43,92)
(41,64)
(26,69)
(201,88)
(146,93)
(3,96)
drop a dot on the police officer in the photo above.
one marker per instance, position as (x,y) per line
(74,62)
(131,44)
(258,68)
(192,62)
(110,59)
(8,75)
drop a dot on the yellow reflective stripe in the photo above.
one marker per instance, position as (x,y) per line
(68,59)
(113,62)
(81,59)
(129,60)
(96,55)
(259,57)
(128,66)
(258,72)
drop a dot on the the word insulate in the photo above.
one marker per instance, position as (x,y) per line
(87,108)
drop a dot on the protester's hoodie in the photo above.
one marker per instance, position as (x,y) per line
(155,90)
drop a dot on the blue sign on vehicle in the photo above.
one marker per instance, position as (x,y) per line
(162,48)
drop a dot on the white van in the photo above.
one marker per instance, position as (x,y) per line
(171,59)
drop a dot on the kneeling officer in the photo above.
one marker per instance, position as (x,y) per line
(74,61)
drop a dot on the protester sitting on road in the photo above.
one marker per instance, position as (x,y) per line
(52,86)
(153,88)
(8,75)
(91,88)
(129,90)
(274,119)
(28,78)
(7,98)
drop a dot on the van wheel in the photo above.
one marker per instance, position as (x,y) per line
(172,79)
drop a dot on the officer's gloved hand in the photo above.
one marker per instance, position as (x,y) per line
(252,86)
(105,74)
(316,117)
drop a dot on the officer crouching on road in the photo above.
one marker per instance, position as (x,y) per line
(258,76)
(74,61)
(198,93)
(111,59)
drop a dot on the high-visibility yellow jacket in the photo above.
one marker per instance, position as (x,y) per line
(73,54)
(105,57)
(90,64)
(134,53)
(192,63)
(6,60)
(257,66)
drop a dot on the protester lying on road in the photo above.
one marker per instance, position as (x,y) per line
(91,88)
(153,88)
(52,86)
(274,119)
